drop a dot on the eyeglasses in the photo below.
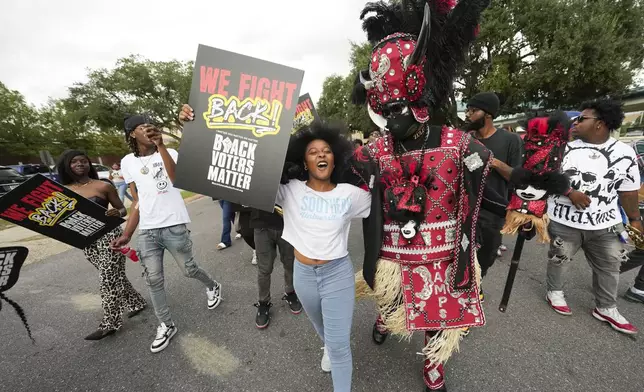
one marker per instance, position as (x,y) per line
(471,111)
(581,119)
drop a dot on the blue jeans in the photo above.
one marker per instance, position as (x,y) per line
(176,240)
(228,216)
(121,187)
(327,294)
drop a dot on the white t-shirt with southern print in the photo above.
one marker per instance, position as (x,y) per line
(601,171)
(160,203)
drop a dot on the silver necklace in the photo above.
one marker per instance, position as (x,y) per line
(144,169)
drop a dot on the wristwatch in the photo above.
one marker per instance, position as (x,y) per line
(638,219)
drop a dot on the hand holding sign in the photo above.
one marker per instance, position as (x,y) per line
(237,127)
(186,114)
(51,209)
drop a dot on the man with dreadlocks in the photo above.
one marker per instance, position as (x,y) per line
(430,182)
(150,171)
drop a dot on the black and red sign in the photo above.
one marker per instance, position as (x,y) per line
(50,209)
(305,113)
(244,110)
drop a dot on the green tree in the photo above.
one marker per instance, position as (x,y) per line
(135,85)
(334,102)
(65,129)
(555,53)
(20,130)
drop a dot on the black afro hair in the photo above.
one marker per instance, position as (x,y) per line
(608,110)
(332,133)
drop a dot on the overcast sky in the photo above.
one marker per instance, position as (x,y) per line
(47,45)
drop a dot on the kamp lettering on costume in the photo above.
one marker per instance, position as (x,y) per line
(11,261)
(50,209)
(234,149)
(305,113)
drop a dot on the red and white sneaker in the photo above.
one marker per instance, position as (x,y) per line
(616,320)
(558,303)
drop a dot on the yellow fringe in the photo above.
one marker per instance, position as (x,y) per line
(515,220)
(441,346)
(362,288)
(388,294)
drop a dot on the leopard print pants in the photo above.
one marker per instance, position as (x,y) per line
(117,293)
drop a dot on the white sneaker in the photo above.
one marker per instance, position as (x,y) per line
(558,302)
(164,334)
(238,236)
(221,246)
(325,364)
(615,319)
(214,296)
(254,260)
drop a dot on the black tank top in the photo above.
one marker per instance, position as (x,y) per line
(99,200)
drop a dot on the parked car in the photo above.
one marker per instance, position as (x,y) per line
(31,169)
(102,170)
(9,179)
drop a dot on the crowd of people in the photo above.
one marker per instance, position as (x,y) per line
(433,199)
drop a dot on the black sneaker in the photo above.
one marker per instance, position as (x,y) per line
(481,295)
(634,297)
(293,303)
(263,317)
(377,336)
(100,334)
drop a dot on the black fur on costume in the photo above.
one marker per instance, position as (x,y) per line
(452,30)
(334,135)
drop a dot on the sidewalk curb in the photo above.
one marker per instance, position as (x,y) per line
(193,198)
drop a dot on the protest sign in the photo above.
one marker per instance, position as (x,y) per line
(11,260)
(305,113)
(50,209)
(244,109)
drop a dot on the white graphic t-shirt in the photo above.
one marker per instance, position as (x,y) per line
(600,171)
(160,203)
(317,223)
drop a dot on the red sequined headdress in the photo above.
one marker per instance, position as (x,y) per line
(418,47)
(540,175)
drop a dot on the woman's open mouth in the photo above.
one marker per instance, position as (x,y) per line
(323,165)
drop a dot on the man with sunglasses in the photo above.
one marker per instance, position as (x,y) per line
(507,148)
(602,172)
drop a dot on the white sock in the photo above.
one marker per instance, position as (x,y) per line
(636,291)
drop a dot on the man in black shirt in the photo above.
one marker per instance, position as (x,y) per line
(507,148)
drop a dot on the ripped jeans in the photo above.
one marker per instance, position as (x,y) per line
(604,252)
(175,239)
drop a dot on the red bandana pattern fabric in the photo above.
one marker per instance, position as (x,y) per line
(392,80)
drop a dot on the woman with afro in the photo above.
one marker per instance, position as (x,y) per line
(318,206)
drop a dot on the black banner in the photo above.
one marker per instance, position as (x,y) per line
(244,109)
(11,260)
(305,113)
(50,209)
